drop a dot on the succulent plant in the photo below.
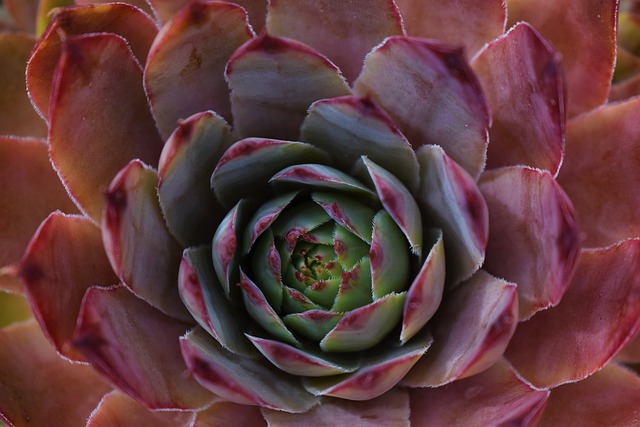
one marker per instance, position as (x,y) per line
(290,213)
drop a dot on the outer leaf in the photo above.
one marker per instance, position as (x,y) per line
(186,163)
(116,409)
(494,397)
(98,97)
(522,78)
(18,117)
(450,199)
(389,257)
(64,258)
(273,82)
(389,410)
(471,331)
(141,250)
(468,23)
(136,347)
(242,380)
(30,369)
(608,397)
(185,70)
(350,127)
(344,31)
(592,50)
(600,167)
(29,191)
(228,414)
(431,94)
(121,19)
(598,314)
(529,204)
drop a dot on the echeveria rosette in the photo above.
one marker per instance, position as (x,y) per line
(334,219)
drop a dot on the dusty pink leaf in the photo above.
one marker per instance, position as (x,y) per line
(184,74)
(142,4)
(433,96)
(116,409)
(631,351)
(136,347)
(164,10)
(24,13)
(494,397)
(29,191)
(389,410)
(18,117)
(273,82)
(607,398)
(534,239)
(98,97)
(38,387)
(584,32)
(598,314)
(64,259)
(343,31)
(229,414)
(470,331)
(600,168)
(257,10)
(468,23)
(523,82)
(121,19)
(624,90)
(141,250)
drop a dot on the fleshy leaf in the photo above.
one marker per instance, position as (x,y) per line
(377,375)
(63,260)
(141,250)
(592,50)
(31,369)
(366,326)
(98,84)
(522,79)
(389,410)
(320,177)
(608,397)
(118,409)
(432,95)
(273,82)
(451,200)
(229,414)
(343,31)
(116,18)
(242,380)
(313,324)
(350,127)
(136,347)
(389,256)
(187,161)
(23,13)
(352,215)
(455,22)
(29,191)
(297,221)
(263,217)
(349,248)
(598,314)
(18,117)
(399,203)
(185,69)
(607,209)
(224,249)
(425,293)
(263,157)
(529,204)
(204,297)
(355,289)
(494,397)
(259,309)
(471,331)
(266,264)
(295,301)
(302,362)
